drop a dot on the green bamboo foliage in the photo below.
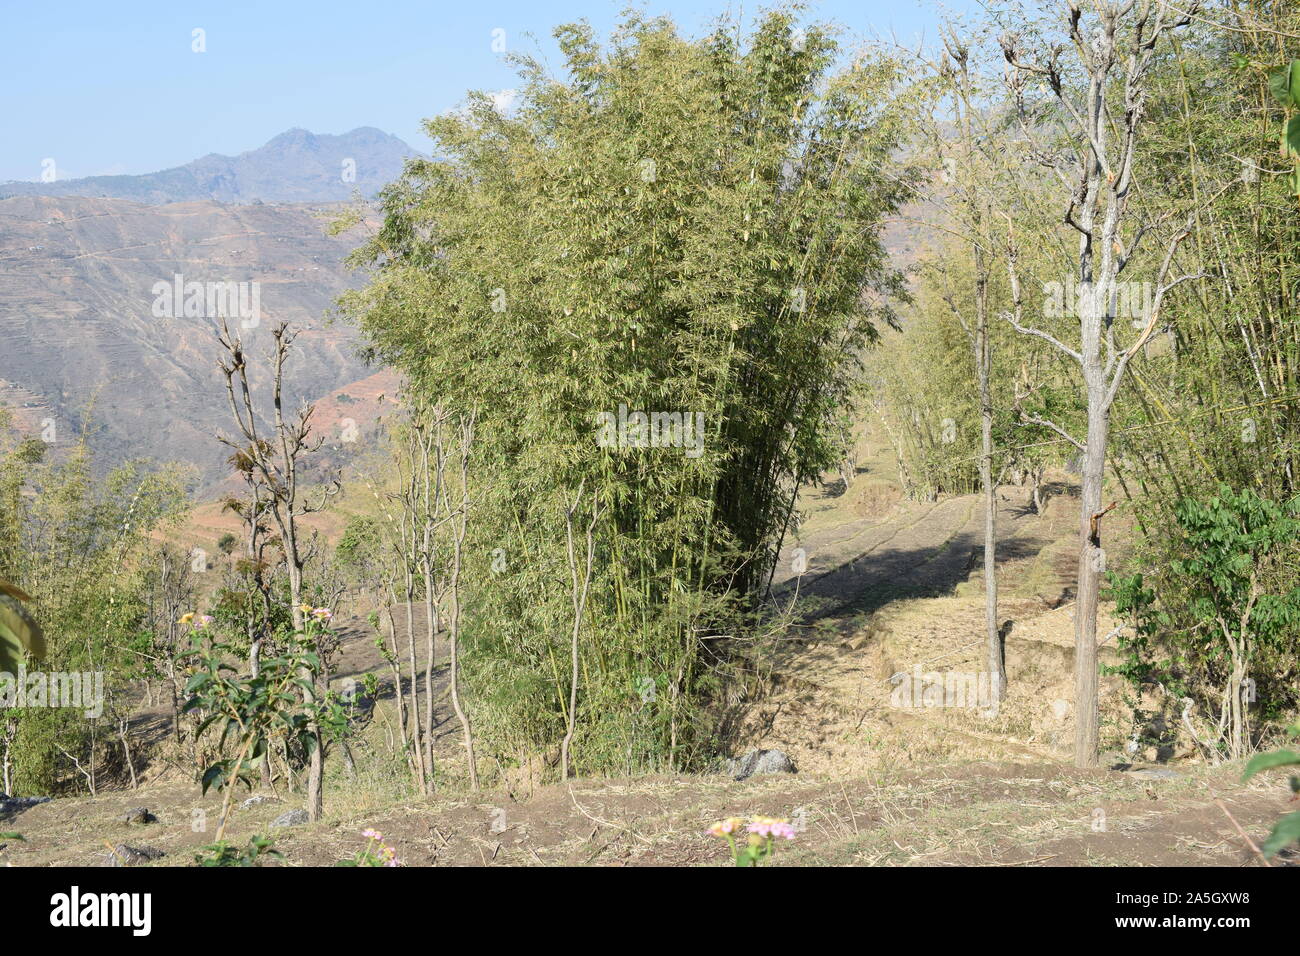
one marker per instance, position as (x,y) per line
(77,546)
(674,225)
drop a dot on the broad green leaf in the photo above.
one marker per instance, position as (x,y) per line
(213,775)
(1278,758)
(1285,833)
(1292,137)
(18,633)
(1283,83)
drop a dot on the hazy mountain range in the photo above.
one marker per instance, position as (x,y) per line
(95,340)
(296,166)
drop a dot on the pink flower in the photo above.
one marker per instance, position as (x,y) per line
(770,827)
(726,827)
(783,829)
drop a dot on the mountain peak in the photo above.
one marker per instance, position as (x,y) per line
(291,137)
(294,166)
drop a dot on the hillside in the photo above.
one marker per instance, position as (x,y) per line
(86,348)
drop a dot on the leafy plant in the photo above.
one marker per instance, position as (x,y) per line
(222,853)
(278,702)
(760,843)
(18,631)
(1225,601)
(375,853)
(667,226)
(1284,82)
(1287,830)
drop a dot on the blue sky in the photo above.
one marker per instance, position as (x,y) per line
(115,87)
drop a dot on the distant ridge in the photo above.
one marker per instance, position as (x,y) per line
(296,166)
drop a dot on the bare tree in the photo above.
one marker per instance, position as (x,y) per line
(1115,46)
(275,460)
(426,561)
(172,596)
(253,512)
(464,442)
(974,210)
(408,554)
(579,593)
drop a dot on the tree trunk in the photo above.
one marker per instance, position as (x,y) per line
(1091,567)
(6,765)
(126,753)
(993,637)
(417,730)
(431,631)
(458,543)
(316,769)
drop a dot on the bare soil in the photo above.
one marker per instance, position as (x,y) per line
(891,588)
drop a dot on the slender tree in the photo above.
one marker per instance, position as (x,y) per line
(276,459)
(1100,84)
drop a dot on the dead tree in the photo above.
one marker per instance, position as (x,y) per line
(1113,51)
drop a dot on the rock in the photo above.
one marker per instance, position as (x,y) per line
(258,800)
(760,761)
(126,855)
(139,815)
(294,818)
(1156,773)
(10,805)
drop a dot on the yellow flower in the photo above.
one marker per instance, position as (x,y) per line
(186,618)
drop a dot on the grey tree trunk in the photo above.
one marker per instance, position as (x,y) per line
(996,657)
(1113,40)
(1091,567)
(977,216)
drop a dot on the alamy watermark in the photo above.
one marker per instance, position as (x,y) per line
(179,299)
(1133,300)
(652,430)
(73,690)
(944,689)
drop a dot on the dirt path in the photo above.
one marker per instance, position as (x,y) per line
(891,596)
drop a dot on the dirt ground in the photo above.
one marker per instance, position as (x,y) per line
(891,597)
(974,813)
